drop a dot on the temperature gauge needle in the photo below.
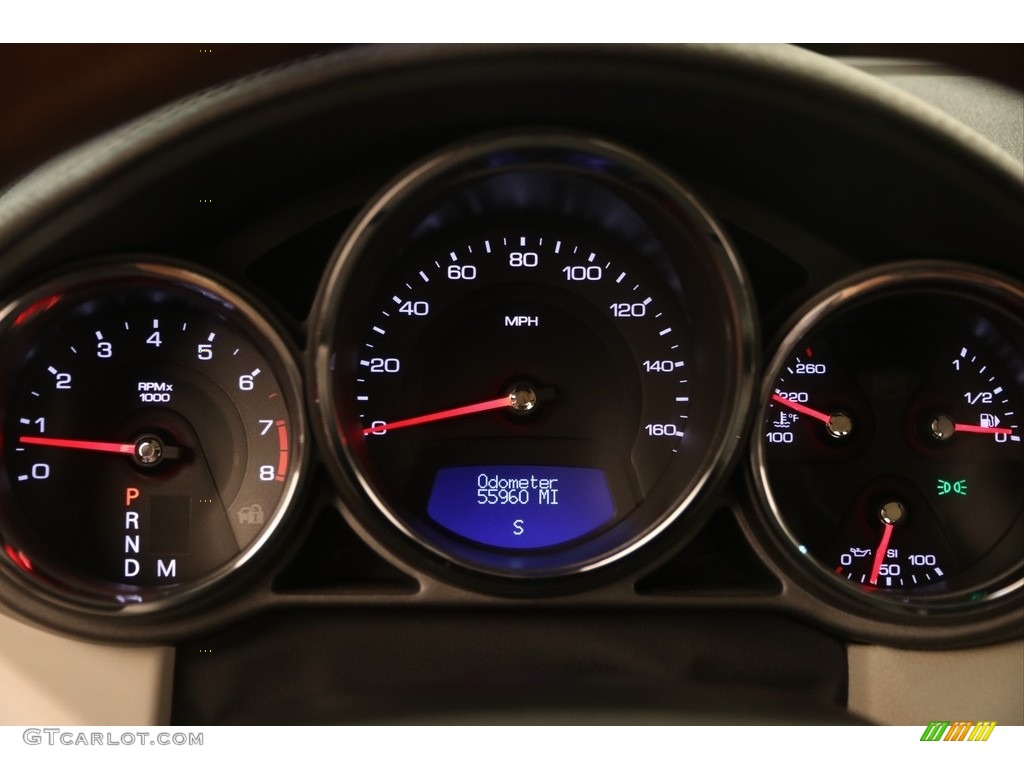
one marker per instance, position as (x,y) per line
(81,445)
(838,424)
(799,408)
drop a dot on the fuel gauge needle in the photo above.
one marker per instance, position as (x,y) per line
(943,428)
(976,429)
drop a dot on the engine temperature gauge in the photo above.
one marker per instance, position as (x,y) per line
(891,451)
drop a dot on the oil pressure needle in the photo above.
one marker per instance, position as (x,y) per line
(883,547)
(891,513)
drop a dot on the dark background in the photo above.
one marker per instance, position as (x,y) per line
(55,96)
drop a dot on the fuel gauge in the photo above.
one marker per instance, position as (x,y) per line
(891,452)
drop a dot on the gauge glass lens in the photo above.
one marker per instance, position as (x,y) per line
(573,358)
(530,364)
(891,447)
(152,437)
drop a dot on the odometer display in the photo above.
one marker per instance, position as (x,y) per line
(536,319)
(520,507)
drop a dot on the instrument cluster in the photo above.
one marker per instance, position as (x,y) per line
(534,369)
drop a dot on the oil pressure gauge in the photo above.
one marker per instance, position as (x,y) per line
(891,451)
(152,436)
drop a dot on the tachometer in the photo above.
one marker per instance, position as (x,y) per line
(531,354)
(152,435)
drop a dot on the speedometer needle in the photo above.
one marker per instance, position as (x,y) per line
(451,413)
(81,445)
(522,398)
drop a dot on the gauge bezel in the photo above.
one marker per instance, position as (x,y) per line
(1000,295)
(88,596)
(401,206)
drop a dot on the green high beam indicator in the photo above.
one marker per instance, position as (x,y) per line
(959,487)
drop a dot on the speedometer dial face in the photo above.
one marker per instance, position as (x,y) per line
(891,450)
(544,375)
(574,370)
(152,436)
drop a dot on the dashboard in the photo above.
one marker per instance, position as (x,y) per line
(472,384)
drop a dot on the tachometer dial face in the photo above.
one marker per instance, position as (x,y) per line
(527,364)
(891,446)
(152,437)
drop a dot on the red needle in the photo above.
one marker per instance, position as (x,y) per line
(981,430)
(822,417)
(451,413)
(883,547)
(81,445)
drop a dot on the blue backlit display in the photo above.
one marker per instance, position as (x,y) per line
(520,507)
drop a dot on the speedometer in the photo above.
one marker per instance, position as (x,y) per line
(531,355)
(537,357)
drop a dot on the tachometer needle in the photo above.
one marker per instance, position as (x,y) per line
(81,445)
(883,547)
(799,408)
